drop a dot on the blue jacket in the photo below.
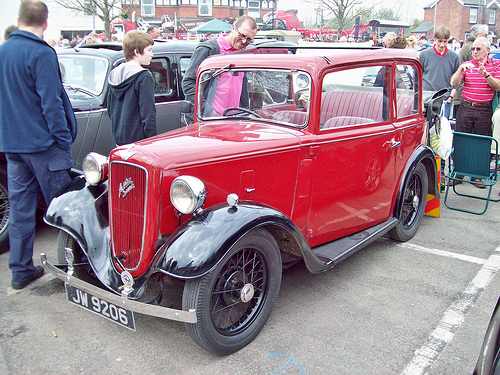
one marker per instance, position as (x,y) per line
(35,110)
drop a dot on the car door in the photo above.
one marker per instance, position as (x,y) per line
(353,182)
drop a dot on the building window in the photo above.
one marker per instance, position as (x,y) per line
(473,15)
(492,17)
(148,8)
(254,9)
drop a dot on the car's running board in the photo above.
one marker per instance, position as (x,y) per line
(331,253)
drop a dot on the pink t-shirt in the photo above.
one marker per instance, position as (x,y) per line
(476,88)
(229,86)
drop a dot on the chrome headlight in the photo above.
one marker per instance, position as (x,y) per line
(187,194)
(95,168)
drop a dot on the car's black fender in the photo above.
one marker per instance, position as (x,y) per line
(201,242)
(424,155)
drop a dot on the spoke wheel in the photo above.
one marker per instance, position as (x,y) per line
(4,214)
(64,240)
(235,299)
(413,205)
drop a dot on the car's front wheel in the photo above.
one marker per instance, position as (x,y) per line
(4,214)
(82,269)
(234,300)
(412,206)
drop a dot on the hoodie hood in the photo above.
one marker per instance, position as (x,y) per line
(122,77)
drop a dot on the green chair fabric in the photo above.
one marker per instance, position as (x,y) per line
(471,158)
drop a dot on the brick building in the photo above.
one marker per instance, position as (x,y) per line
(459,16)
(200,9)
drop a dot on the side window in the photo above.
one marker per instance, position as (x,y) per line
(406,90)
(183,64)
(160,69)
(355,96)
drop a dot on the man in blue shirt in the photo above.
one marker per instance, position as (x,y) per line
(37,128)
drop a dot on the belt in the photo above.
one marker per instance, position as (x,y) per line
(476,104)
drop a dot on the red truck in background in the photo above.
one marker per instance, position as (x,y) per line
(288,20)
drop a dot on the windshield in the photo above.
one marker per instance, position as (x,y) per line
(84,72)
(269,94)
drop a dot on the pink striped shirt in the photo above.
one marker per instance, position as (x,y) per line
(229,86)
(476,88)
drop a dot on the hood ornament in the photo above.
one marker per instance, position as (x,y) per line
(127,152)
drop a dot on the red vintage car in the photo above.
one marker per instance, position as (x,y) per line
(318,160)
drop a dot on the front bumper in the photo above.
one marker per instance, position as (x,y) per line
(135,306)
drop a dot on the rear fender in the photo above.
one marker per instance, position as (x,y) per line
(423,155)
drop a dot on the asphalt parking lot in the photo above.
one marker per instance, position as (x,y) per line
(420,307)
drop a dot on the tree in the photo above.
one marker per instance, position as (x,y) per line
(387,14)
(106,10)
(343,11)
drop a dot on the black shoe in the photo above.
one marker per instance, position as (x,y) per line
(22,284)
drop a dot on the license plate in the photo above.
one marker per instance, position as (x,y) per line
(98,306)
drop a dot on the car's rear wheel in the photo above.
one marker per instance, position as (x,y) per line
(412,205)
(4,214)
(234,300)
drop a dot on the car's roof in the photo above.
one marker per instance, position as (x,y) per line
(113,50)
(312,62)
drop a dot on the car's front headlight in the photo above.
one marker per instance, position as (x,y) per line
(187,194)
(95,168)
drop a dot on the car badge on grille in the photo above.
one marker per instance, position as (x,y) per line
(125,187)
(126,153)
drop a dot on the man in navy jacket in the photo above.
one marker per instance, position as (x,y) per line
(37,128)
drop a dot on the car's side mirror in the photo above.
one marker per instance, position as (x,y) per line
(433,103)
(185,106)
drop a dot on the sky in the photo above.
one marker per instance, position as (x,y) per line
(410,9)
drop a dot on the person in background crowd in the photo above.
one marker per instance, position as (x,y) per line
(8,31)
(439,64)
(475,32)
(37,128)
(154,32)
(423,43)
(412,42)
(386,40)
(481,78)
(131,97)
(242,33)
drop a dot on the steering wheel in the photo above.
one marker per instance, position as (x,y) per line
(239,111)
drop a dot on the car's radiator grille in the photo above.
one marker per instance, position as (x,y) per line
(128,184)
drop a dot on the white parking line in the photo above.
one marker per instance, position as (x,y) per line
(443,253)
(454,316)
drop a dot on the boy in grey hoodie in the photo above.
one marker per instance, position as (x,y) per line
(131,99)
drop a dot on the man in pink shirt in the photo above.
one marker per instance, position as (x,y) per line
(481,77)
(481,81)
(230,91)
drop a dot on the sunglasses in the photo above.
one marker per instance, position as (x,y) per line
(476,49)
(244,37)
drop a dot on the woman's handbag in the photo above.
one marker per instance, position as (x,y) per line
(441,135)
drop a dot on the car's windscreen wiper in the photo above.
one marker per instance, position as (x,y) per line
(79,89)
(218,72)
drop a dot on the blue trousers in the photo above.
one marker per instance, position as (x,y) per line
(27,175)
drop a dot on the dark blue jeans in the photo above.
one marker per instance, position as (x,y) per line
(28,174)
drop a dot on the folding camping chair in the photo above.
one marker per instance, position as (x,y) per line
(471,158)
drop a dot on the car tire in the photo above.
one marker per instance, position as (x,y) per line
(252,265)
(82,272)
(412,205)
(4,214)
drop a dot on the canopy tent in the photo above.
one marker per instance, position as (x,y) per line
(214,26)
